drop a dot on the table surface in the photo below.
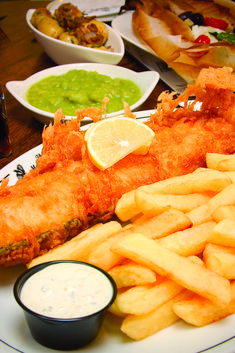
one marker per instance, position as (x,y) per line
(22,56)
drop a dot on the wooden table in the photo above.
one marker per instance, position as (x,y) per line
(21,56)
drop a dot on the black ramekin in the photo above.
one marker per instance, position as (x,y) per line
(62,334)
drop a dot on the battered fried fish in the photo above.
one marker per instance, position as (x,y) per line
(66,193)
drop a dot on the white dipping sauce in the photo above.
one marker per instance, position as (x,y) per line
(67,290)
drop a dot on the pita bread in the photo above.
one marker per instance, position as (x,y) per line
(158,24)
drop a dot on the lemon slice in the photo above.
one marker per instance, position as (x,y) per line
(112,139)
(92,125)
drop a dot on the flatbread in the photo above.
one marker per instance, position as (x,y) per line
(171,38)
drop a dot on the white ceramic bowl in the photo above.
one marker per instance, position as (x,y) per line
(146,80)
(65,53)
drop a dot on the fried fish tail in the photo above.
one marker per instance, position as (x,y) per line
(42,218)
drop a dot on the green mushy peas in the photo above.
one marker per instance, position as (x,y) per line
(78,89)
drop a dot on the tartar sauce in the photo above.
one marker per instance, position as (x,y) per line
(67,290)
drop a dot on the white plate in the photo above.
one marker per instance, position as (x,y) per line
(123,25)
(141,51)
(102,9)
(179,338)
(146,81)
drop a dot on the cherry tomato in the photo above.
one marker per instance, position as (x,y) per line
(216,23)
(203,39)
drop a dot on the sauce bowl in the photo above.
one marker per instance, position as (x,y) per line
(52,328)
(146,81)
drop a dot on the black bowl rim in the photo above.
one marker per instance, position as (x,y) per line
(31,271)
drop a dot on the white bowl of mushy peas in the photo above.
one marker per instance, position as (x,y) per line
(65,302)
(74,87)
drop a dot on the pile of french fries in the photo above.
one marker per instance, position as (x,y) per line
(175,256)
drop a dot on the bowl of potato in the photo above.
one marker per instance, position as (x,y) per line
(68,36)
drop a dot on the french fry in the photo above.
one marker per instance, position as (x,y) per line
(159,226)
(142,326)
(190,241)
(139,219)
(223,264)
(224,233)
(213,160)
(126,207)
(227,165)
(200,311)
(102,256)
(182,270)
(231,175)
(132,274)
(225,197)
(137,302)
(206,180)
(204,212)
(129,296)
(200,214)
(220,259)
(196,259)
(115,311)
(163,224)
(154,204)
(80,246)
(203,169)
(222,212)
(212,248)
(210,181)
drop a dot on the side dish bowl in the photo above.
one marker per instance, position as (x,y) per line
(146,81)
(85,293)
(65,53)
